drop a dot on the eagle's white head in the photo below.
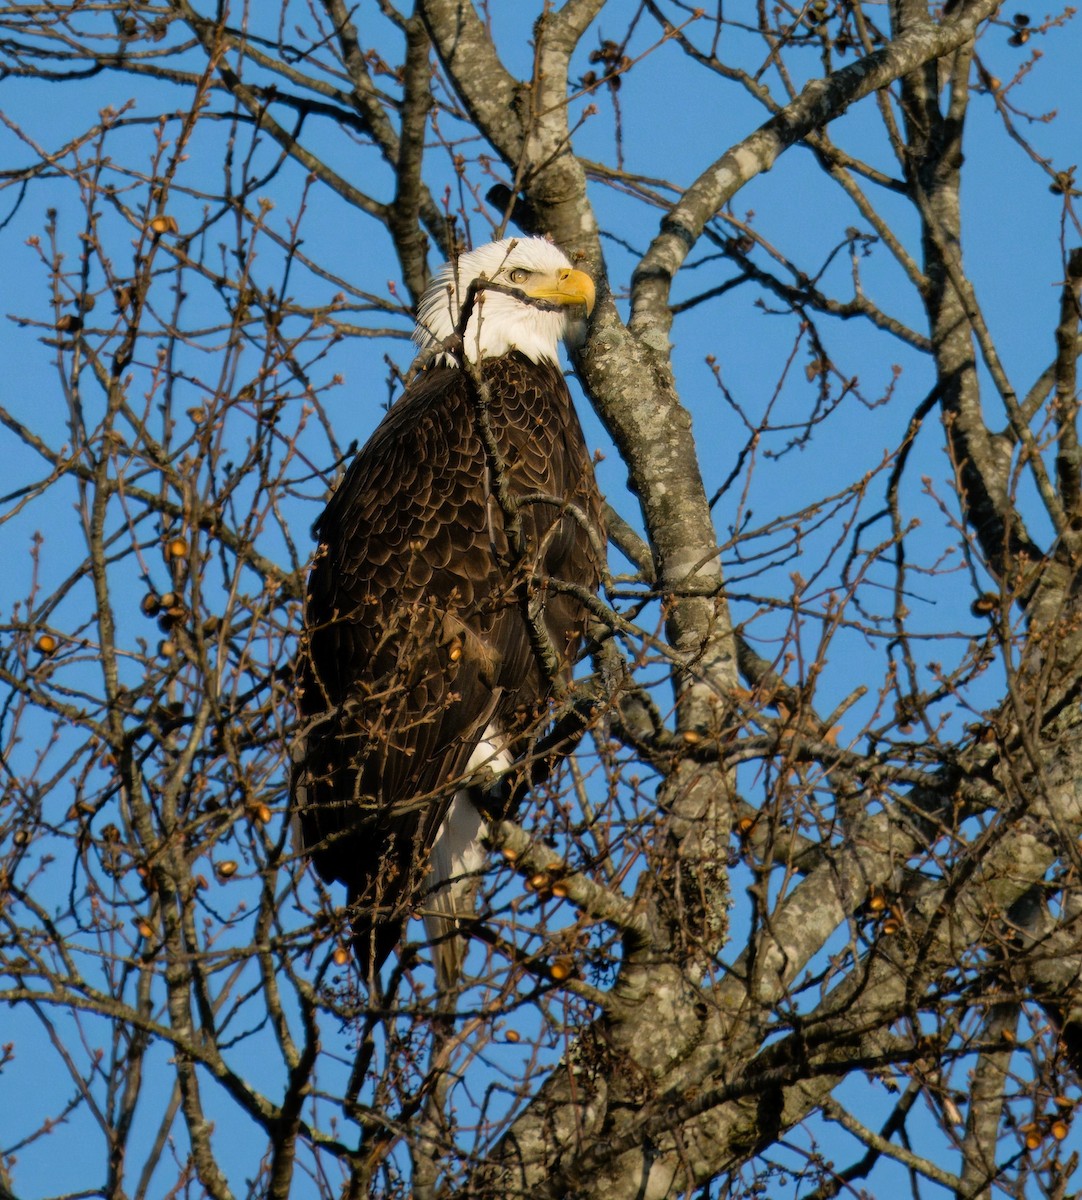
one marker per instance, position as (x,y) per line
(527,297)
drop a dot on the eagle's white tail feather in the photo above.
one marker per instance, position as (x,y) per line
(456,859)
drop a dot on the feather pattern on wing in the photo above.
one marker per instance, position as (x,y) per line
(416,639)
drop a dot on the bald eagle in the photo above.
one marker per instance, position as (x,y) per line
(435,630)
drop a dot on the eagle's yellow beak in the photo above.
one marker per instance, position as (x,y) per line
(569,286)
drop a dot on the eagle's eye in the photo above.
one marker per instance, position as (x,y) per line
(518,275)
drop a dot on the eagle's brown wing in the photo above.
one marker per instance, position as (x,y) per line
(415,636)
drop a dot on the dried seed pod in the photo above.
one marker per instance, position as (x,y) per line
(561,969)
(47,644)
(512,1036)
(163,223)
(225,869)
(340,956)
(150,604)
(176,548)
(69,323)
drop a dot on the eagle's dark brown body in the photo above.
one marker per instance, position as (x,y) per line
(417,639)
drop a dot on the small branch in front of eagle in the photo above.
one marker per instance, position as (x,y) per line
(497,467)
(490,285)
(486,285)
(548,660)
(469,303)
(610,619)
(544,651)
(570,723)
(567,506)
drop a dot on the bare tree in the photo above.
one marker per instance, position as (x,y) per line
(803,915)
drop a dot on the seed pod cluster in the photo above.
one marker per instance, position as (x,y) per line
(170,611)
(1021,32)
(69,323)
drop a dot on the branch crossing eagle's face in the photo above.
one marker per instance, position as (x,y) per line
(521,294)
